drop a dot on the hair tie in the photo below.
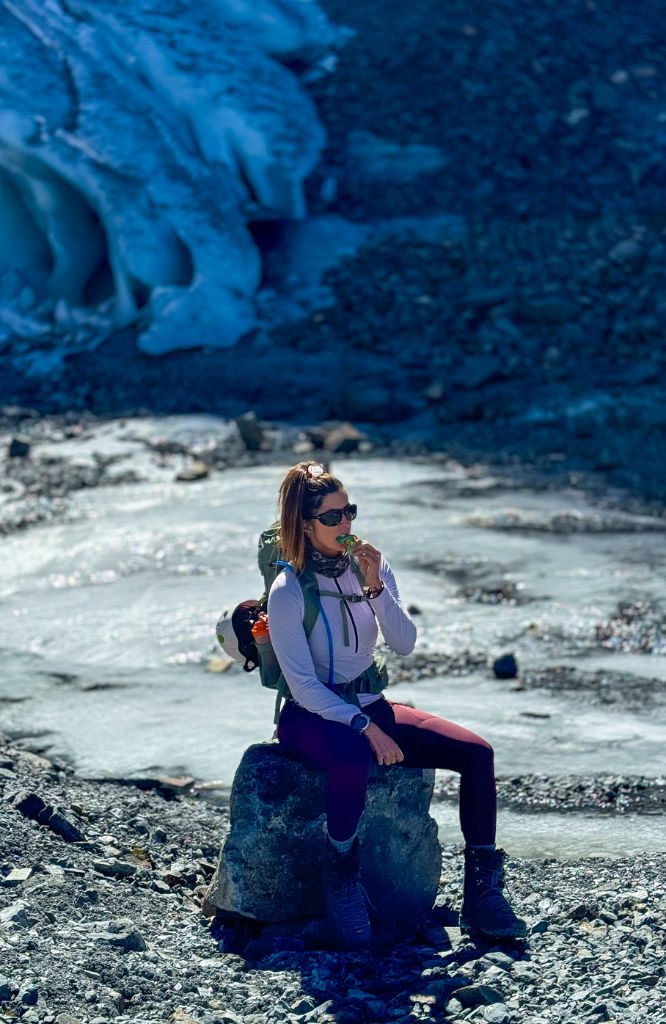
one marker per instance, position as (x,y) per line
(315,469)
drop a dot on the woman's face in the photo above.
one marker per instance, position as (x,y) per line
(323,537)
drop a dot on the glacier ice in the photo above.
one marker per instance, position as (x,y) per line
(137,142)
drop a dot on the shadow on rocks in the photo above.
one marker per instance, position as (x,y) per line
(426,965)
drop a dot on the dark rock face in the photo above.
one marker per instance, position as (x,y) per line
(270,866)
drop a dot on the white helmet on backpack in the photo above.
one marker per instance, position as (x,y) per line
(226,637)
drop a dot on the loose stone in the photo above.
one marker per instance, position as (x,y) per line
(121,933)
(498,1013)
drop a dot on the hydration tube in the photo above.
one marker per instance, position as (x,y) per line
(324,617)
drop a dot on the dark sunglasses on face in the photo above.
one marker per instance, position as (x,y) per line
(334,516)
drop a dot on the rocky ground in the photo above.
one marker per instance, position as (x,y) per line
(100,920)
(534,327)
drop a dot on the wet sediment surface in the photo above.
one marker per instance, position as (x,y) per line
(602,794)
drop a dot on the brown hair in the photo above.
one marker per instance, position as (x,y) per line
(300,497)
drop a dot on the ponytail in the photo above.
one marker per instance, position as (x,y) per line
(301,493)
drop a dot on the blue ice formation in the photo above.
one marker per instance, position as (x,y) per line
(137,141)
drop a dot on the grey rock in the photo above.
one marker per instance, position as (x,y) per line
(19,448)
(477,995)
(345,438)
(15,914)
(505,667)
(628,251)
(497,1013)
(16,877)
(159,835)
(7,990)
(64,828)
(270,864)
(121,933)
(196,470)
(32,806)
(28,994)
(114,868)
(499,959)
(29,804)
(251,431)
(140,825)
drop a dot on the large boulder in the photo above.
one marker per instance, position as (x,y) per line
(270,865)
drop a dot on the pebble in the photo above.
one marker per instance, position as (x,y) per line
(505,667)
(499,959)
(6,989)
(28,994)
(19,448)
(114,868)
(121,933)
(498,1013)
(15,915)
(477,995)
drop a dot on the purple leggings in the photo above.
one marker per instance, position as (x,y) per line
(426,741)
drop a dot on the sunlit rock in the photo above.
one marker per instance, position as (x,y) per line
(136,144)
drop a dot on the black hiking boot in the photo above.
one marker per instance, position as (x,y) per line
(485,908)
(346,901)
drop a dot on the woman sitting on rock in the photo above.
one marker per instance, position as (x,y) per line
(339,726)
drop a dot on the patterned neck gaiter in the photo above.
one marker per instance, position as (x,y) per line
(325,565)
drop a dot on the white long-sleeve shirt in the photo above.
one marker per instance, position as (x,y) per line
(305,661)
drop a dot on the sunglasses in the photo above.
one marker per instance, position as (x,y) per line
(334,516)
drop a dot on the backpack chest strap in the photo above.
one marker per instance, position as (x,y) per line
(344,610)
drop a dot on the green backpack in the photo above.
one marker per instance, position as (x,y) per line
(259,653)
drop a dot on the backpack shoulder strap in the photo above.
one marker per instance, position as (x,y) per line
(311,600)
(310,590)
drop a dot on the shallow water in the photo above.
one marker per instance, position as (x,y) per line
(108,621)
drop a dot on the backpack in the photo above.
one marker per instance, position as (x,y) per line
(235,636)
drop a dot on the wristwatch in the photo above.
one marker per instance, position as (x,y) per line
(360,722)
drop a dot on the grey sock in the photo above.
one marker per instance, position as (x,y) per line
(342,845)
(489,846)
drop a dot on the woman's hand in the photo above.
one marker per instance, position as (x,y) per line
(370,560)
(385,749)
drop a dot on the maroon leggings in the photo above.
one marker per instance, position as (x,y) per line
(426,741)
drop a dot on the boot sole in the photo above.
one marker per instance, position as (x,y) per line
(506,933)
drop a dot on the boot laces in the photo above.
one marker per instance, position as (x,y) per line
(349,903)
(492,895)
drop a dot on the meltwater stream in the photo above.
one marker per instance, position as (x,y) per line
(107,629)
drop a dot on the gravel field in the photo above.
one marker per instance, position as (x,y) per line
(100,920)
